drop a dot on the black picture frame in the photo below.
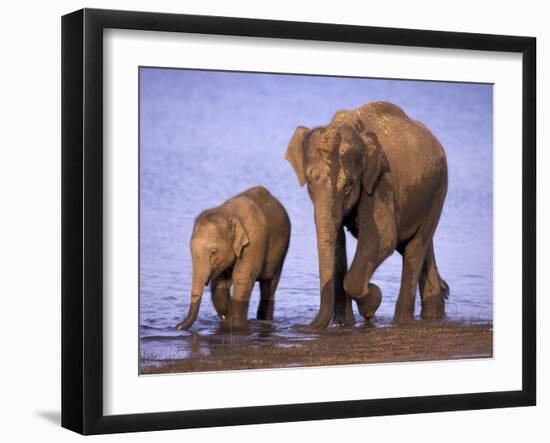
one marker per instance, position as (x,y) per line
(82,220)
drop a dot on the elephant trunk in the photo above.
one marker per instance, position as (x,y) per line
(326,227)
(197,290)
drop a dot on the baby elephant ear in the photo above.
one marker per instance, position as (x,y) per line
(375,161)
(239,237)
(295,153)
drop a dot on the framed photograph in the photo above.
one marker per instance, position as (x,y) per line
(269,221)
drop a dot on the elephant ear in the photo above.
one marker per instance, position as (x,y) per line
(375,161)
(239,236)
(295,153)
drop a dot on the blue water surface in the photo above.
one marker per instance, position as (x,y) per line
(206,136)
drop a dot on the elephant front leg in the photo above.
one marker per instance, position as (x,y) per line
(376,242)
(221,297)
(343,310)
(242,290)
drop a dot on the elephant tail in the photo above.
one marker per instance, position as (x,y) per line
(430,275)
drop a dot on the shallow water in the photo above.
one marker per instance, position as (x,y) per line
(206,136)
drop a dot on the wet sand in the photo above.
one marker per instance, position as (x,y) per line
(262,348)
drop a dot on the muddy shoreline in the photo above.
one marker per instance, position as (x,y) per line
(420,341)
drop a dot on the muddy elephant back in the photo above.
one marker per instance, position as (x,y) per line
(415,157)
(405,141)
(272,208)
(277,225)
(380,109)
(371,114)
(350,118)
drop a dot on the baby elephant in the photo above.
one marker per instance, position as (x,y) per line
(242,241)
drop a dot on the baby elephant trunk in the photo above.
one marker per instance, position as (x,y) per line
(196,297)
(191,316)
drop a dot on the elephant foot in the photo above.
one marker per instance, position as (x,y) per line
(265,310)
(343,313)
(368,304)
(344,320)
(349,319)
(403,314)
(320,322)
(433,308)
(239,314)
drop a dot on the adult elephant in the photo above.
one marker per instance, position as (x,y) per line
(383,176)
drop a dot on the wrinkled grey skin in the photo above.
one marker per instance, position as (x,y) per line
(242,241)
(383,176)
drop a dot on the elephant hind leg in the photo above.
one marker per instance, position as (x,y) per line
(414,253)
(413,257)
(418,252)
(267,297)
(433,289)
